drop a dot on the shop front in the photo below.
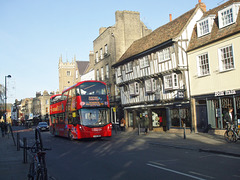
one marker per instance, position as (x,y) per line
(160,117)
(211,108)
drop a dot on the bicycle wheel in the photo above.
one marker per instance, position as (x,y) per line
(230,136)
(31,172)
(38,140)
(226,136)
(43,166)
(40,175)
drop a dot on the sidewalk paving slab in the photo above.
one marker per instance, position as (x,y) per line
(11,161)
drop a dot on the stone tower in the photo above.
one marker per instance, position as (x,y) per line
(67,73)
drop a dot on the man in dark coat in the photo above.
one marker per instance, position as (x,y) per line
(228,117)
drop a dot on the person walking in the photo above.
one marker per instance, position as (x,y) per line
(146,123)
(122,124)
(2,128)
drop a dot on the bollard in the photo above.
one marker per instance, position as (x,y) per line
(184,132)
(24,150)
(18,142)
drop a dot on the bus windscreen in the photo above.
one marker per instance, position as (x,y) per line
(92,88)
(94,117)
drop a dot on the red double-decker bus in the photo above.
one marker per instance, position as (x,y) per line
(81,111)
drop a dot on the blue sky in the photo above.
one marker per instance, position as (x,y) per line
(34,34)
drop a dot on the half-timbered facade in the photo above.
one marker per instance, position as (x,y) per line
(152,75)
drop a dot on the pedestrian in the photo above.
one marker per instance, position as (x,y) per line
(2,129)
(160,121)
(228,118)
(122,124)
(146,123)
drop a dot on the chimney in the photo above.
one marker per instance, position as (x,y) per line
(202,6)
(170,16)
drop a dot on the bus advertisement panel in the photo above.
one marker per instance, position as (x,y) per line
(83,111)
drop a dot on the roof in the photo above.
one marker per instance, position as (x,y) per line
(216,33)
(82,65)
(159,36)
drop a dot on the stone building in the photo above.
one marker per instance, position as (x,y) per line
(110,45)
(70,72)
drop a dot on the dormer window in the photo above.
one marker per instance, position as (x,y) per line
(204,26)
(228,15)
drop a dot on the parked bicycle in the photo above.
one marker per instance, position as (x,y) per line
(37,169)
(232,133)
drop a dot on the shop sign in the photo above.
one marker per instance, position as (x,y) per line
(225,93)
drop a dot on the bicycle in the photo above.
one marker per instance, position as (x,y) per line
(37,169)
(231,134)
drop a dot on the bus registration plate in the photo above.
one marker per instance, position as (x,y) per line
(96,136)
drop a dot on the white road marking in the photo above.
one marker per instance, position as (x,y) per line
(199,174)
(226,156)
(176,172)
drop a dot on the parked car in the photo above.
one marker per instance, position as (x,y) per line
(43,126)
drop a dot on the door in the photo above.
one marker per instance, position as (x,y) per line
(202,121)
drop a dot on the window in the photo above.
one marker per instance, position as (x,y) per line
(150,85)
(97,57)
(97,75)
(101,53)
(168,81)
(226,60)
(76,74)
(144,62)
(203,65)
(102,74)
(129,67)
(171,81)
(164,55)
(46,101)
(204,27)
(107,71)
(106,48)
(228,15)
(68,73)
(134,89)
(119,72)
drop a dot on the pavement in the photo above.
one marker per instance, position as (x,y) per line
(13,168)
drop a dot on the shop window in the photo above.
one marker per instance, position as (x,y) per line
(130,119)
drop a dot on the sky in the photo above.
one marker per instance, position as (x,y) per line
(35,33)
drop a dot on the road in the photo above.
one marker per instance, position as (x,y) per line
(122,157)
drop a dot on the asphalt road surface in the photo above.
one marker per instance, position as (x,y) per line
(121,157)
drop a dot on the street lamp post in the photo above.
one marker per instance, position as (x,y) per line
(5,116)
